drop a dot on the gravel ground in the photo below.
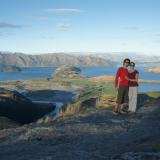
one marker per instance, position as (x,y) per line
(94,135)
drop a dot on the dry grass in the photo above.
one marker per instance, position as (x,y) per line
(47,120)
(99,102)
(102,78)
(109,100)
(70,110)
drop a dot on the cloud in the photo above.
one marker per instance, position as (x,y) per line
(43,19)
(154,34)
(46,37)
(123,44)
(142,31)
(129,27)
(63,10)
(64,19)
(63,25)
(8,25)
(43,37)
(83,29)
(157,41)
(23,15)
(119,37)
(61,29)
(155,28)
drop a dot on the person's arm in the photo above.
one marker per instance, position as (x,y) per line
(117,78)
(133,80)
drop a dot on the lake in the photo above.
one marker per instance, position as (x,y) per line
(45,72)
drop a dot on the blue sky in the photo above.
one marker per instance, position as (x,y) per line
(47,26)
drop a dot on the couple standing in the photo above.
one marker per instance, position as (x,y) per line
(127,83)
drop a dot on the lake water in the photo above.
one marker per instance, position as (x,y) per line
(45,72)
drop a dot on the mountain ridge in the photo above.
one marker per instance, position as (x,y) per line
(52,60)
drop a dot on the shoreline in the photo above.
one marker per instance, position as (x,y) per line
(61,95)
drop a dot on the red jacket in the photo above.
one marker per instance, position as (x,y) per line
(122,73)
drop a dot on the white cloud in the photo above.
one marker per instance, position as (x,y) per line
(129,27)
(142,31)
(63,10)
(43,37)
(63,25)
(8,25)
(123,44)
(155,28)
(46,37)
(154,34)
(23,15)
(157,41)
(64,19)
(61,29)
(43,19)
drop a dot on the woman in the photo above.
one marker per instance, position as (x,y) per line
(133,88)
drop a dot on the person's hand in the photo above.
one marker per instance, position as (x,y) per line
(116,88)
(127,78)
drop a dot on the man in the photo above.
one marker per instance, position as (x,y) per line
(123,87)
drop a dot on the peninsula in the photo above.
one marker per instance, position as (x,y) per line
(153,69)
(12,69)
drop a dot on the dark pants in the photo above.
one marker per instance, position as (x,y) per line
(122,94)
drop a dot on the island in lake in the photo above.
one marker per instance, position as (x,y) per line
(68,72)
(12,69)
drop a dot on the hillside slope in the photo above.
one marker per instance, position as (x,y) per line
(6,123)
(19,108)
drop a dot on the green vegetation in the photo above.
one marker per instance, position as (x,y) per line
(17,84)
(148,98)
(43,94)
(12,69)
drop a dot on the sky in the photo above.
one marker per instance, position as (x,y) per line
(48,26)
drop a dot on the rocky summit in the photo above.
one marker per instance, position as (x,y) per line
(94,135)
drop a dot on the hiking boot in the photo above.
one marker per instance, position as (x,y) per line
(115,112)
(128,110)
(131,112)
(122,111)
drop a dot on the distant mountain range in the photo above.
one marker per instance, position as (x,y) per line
(51,60)
(120,56)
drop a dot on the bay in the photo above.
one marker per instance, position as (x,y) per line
(45,72)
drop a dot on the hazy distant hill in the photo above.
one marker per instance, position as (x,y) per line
(120,56)
(52,60)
